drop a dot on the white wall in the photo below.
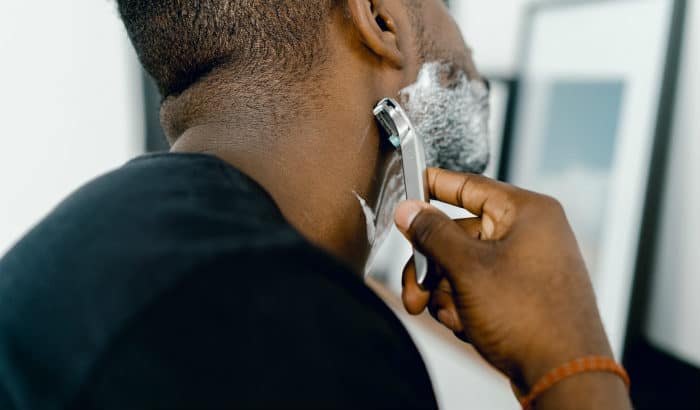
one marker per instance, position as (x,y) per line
(70,108)
(492,28)
(674,324)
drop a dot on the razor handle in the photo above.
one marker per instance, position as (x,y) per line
(403,136)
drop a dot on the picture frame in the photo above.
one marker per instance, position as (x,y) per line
(588,122)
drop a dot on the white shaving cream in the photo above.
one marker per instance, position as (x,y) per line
(370,218)
(451,114)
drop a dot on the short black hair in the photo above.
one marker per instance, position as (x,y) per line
(180,41)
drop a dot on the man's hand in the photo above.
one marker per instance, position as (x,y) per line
(512,281)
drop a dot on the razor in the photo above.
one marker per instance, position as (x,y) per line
(403,136)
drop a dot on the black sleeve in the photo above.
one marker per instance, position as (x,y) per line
(264,329)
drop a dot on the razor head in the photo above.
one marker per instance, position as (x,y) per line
(403,136)
(393,120)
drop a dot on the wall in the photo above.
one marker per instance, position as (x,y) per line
(70,108)
(492,29)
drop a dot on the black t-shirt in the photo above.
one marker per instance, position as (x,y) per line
(175,283)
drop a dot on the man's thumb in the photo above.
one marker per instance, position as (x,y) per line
(435,235)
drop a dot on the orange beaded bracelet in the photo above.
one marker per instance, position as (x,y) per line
(578,366)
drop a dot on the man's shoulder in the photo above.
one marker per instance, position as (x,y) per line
(176,185)
(140,228)
(184,249)
(165,232)
(153,205)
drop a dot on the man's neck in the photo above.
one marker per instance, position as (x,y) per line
(311,165)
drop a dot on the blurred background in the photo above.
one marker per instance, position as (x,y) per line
(592,102)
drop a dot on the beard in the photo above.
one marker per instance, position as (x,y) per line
(451,114)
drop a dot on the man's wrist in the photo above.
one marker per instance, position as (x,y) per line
(540,365)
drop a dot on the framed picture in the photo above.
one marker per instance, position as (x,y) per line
(592,90)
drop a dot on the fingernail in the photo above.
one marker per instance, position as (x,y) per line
(488,228)
(406,212)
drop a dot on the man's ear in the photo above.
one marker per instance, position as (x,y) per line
(377,29)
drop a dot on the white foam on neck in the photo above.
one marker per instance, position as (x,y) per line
(370,218)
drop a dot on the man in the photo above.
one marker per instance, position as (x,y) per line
(227,273)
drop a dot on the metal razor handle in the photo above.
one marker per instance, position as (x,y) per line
(406,140)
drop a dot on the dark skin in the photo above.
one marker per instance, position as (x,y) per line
(311,160)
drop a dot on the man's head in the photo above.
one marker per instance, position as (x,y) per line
(284,91)
(181,42)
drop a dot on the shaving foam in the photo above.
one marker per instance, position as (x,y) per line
(370,219)
(451,114)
